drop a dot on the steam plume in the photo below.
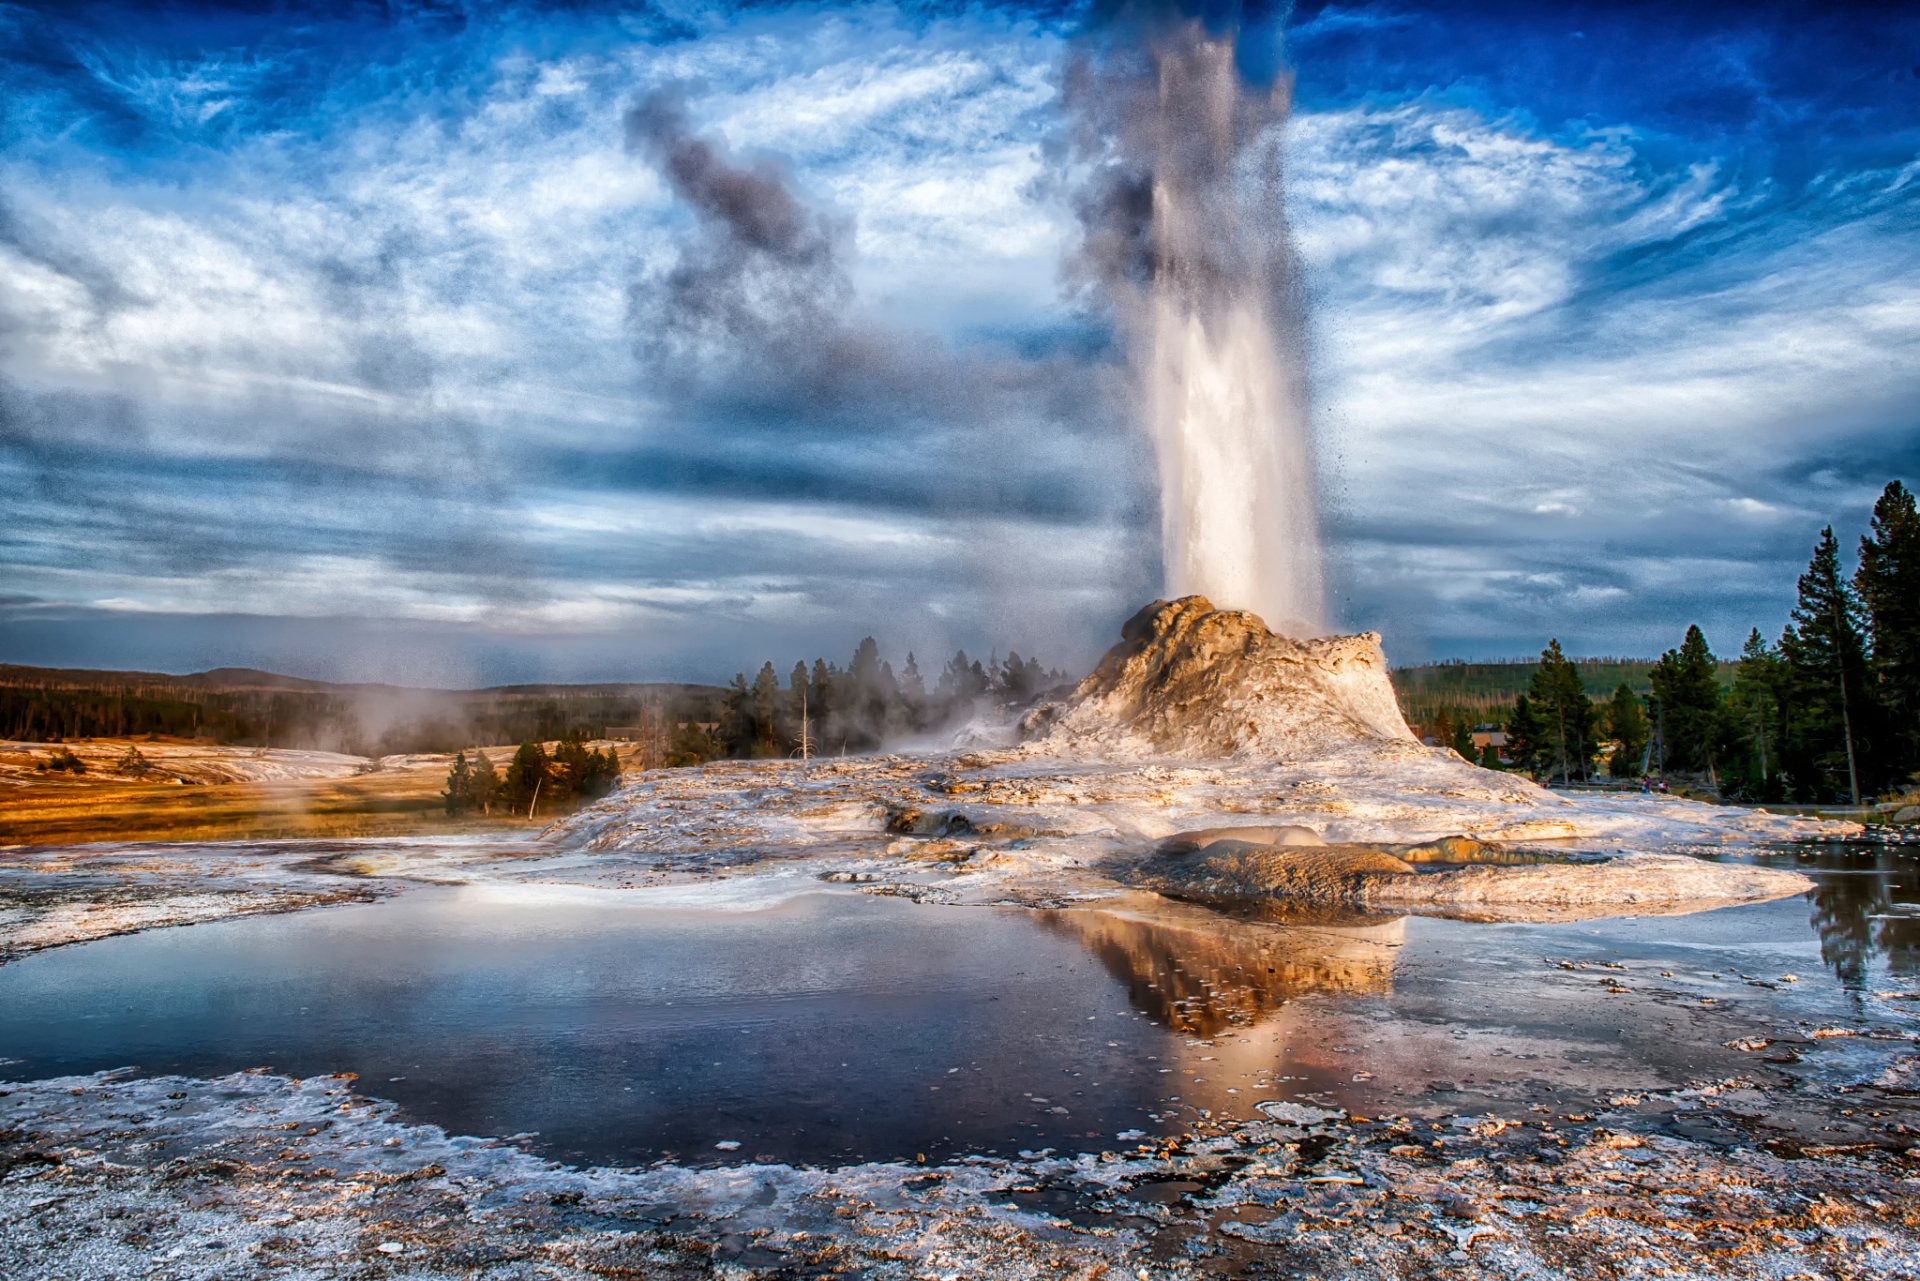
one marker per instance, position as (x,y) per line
(1185,233)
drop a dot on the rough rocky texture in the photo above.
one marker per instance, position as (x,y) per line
(1629,881)
(1233,870)
(174,1179)
(1191,681)
(1260,872)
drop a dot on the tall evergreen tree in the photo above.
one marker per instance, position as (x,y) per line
(1757,712)
(1627,731)
(736,717)
(820,698)
(765,733)
(1685,681)
(913,693)
(483,785)
(1564,716)
(459,793)
(1888,583)
(1825,653)
(526,776)
(1529,741)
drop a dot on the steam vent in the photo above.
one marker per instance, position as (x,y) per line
(1193,682)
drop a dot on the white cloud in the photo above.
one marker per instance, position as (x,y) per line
(1537,358)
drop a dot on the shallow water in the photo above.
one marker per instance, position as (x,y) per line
(840,1026)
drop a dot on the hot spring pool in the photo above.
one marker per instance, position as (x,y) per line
(836,1026)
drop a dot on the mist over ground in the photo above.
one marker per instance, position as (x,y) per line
(487,343)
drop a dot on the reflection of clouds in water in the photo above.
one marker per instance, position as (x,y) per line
(1860,912)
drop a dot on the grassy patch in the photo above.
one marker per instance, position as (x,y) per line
(66,811)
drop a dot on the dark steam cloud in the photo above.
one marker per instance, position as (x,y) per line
(761,281)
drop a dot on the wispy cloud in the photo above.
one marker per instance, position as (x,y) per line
(365,317)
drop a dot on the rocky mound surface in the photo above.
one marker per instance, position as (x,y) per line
(1252,871)
(1191,681)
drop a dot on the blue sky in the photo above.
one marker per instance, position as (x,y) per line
(342,339)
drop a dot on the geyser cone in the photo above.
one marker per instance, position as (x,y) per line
(1191,681)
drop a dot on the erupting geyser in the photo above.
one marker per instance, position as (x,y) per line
(1187,231)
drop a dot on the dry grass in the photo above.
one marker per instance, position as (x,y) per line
(57,810)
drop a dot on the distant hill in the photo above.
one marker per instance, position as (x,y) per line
(1484,691)
(228,680)
(219,679)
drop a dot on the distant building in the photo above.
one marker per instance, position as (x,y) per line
(1485,736)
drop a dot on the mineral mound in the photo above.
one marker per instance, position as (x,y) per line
(1191,681)
(1248,872)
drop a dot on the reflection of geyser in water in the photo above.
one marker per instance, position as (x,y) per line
(1186,225)
(1229,980)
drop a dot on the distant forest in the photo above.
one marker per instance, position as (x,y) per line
(1828,712)
(1481,692)
(850,709)
(265,710)
(829,710)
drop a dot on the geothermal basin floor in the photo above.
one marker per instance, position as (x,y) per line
(773,1076)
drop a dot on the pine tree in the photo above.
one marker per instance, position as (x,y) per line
(483,787)
(1685,681)
(1888,582)
(821,700)
(459,793)
(1757,711)
(526,776)
(913,694)
(1525,734)
(1826,656)
(864,673)
(1627,731)
(574,770)
(598,773)
(736,718)
(765,735)
(1013,679)
(1563,740)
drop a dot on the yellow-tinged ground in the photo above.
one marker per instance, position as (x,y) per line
(42,807)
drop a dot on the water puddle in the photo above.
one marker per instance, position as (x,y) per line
(837,1026)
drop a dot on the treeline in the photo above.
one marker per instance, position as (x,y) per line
(573,771)
(369,723)
(1466,693)
(829,710)
(48,714)
(1830,711)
